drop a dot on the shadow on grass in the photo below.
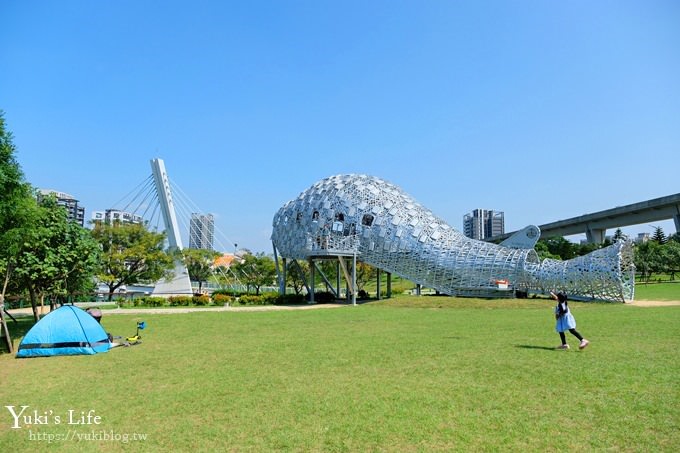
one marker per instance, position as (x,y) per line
(530,346)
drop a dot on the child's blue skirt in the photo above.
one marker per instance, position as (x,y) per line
(565,322)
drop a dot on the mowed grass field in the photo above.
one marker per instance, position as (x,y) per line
(406,374)
(657,291)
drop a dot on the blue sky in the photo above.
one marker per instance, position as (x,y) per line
(541,109)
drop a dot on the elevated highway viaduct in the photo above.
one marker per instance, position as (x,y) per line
(595,225)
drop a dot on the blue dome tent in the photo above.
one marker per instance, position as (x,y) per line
(67,330)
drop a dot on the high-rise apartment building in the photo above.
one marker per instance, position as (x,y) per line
(483,223)
(116,215)
(76,213)
(201,231)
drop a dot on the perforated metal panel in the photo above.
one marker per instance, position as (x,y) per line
(390,230)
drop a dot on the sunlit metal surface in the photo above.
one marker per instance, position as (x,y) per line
(390,230)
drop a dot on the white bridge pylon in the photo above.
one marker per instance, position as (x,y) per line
(180,284)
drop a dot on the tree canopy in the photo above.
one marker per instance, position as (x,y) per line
(297,274)
(131,254)
(619,235)
(256,270)
(199,263)
(659,236)
(16,207)
(57,256)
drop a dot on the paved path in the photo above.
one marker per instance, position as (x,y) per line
(654,303)
(236,309)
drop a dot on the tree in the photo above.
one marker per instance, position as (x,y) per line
(589,247)
(56,253)
(297,275)
(670,257)
(619,235)
(541,249)
(80,278)
(659,236)
(647,259)
(561,247)
(199,263)
(257,270)
(364,274)
(16,208)
(330,270)
(131,254)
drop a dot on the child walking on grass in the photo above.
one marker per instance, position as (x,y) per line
(566,321)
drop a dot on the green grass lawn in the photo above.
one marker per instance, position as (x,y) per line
(657,291)
(407,374)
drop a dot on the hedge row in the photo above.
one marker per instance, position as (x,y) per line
(221,299)
(183,301)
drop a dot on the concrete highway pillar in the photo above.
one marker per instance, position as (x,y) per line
(595,235)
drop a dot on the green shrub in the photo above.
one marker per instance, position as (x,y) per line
(324,297)
(250,299)
(269,298)
(221,299)
(180,301)
(290,299)
(121,301)
(200,300)
(227,292)
(151,301)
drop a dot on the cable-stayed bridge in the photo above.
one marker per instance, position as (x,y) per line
(164,207)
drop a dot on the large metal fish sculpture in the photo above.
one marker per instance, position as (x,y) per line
(389,230)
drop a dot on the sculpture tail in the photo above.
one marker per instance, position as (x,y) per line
(605,274)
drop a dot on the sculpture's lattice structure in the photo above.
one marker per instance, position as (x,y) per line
(386,228)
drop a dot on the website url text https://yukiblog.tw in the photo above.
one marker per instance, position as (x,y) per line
(73,435)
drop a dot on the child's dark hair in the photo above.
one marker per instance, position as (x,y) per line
(562,299)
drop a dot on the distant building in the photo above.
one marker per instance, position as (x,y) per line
(76,213)
(201,231)
(482,223)
(642,238)
(116,215)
